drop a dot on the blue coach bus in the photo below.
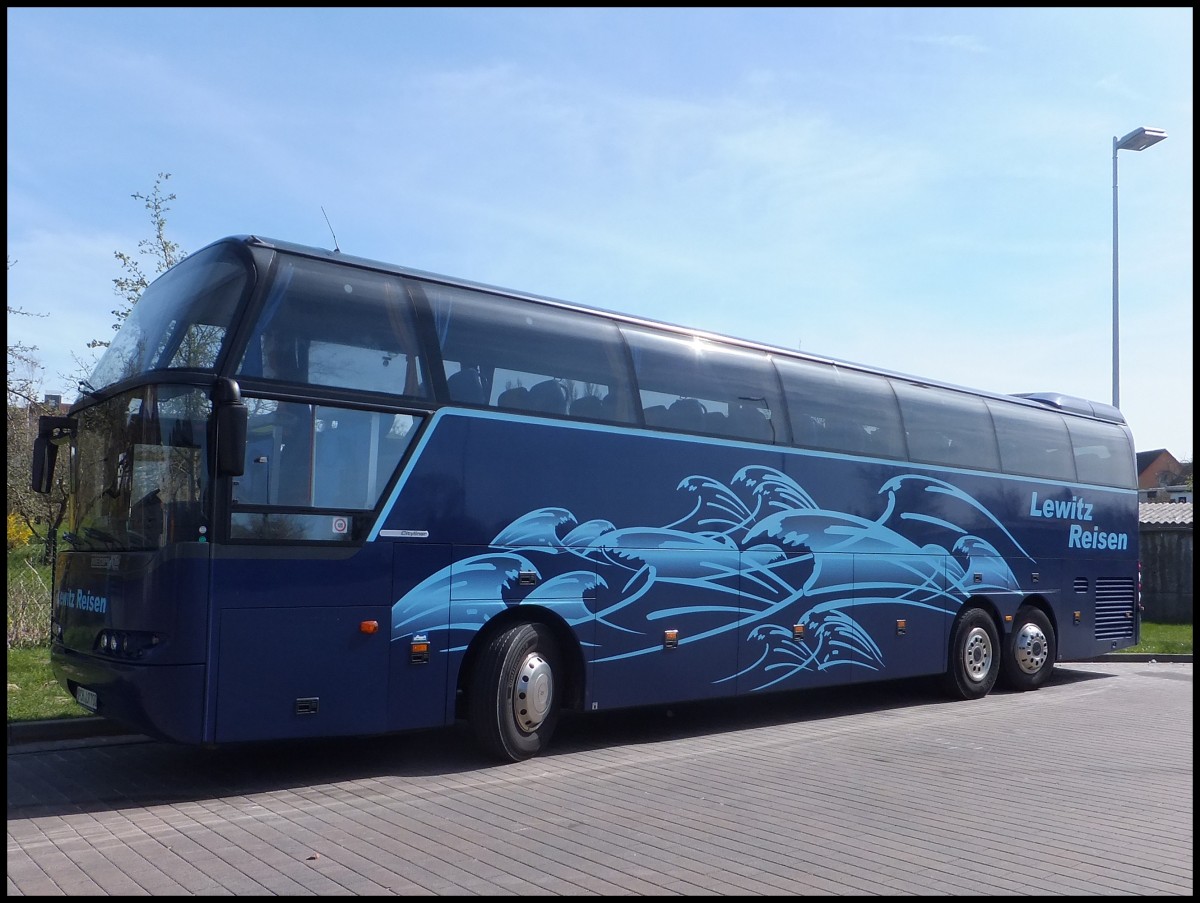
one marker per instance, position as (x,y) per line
(313,495)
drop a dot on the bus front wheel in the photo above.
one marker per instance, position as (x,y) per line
(1030,651)
(974,656)
(513,703)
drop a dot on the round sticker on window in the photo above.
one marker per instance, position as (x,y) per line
(341,525)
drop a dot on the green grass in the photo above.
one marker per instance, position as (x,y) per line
(34,694)
(1164,639)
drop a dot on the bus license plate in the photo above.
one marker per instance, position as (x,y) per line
(86,698)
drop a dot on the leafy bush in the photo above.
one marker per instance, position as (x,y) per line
(19,533)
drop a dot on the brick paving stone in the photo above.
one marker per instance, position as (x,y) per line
(1082,787)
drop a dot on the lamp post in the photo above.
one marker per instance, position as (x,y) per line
(1137,140)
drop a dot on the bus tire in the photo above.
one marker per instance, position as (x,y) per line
(1030,652)
(974,656)
(513,700)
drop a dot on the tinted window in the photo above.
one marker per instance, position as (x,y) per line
(529,357)
(1032,442)
(329,325)
(181,319)
(1103,453)
(838,409)
(142,471)
(315,456)
(693,384)
(945,427)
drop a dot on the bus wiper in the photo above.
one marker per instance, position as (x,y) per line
(87,388)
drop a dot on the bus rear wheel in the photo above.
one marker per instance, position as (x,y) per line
(1030,652)
(513,699)
(974,656)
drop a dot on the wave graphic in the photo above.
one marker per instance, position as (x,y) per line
(756,556)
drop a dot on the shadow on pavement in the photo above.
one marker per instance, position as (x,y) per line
(111,773)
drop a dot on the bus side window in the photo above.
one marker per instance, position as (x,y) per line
(1102,453)
(343,445)
(327,457)
(1033,442)
(946,427)
(368,343)
(532,356)
(840,409)
(282,357)
(690,383)
(845,436)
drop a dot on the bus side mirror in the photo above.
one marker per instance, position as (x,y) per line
(230,417)
(51,431)
(44,454)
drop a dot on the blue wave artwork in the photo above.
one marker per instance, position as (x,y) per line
(757,556)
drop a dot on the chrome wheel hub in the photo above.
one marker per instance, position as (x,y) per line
(977,655)
(1030,648)
(533,692)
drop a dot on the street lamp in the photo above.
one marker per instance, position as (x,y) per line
(1137,140)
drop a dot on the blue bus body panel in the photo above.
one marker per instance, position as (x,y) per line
(684,568)
(779,569)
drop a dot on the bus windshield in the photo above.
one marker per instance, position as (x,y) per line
(140,471)
(181,320)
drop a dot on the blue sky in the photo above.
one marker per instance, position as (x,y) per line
(924,190)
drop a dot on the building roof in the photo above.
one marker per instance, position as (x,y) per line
(1169,513)
(1146,458)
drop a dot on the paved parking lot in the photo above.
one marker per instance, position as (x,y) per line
(1083,787)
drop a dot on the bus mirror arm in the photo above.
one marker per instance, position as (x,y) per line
(51,431)
(229,419)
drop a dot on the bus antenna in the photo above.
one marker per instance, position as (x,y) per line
(336,249)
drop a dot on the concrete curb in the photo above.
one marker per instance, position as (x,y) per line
(87,727)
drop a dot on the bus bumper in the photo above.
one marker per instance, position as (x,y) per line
(162,701)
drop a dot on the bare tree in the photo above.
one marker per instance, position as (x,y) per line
(161,250)
(41,514)
(44,514)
